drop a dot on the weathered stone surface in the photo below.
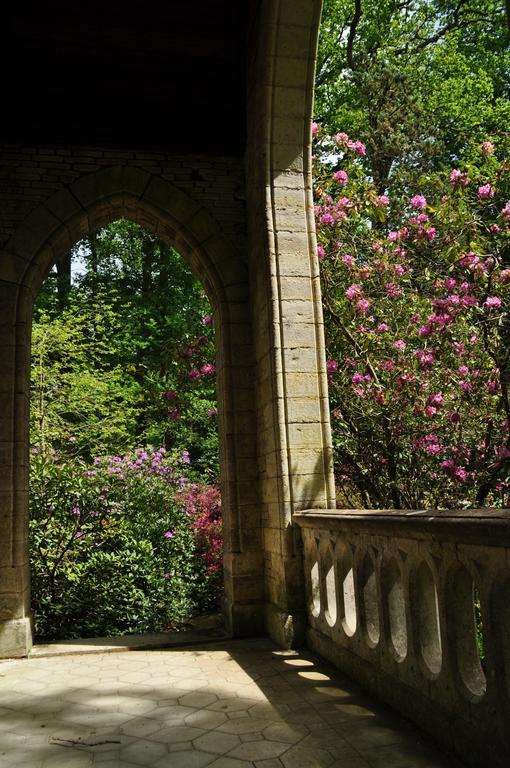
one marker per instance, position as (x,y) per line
(15,637)
(392,599)
(257,706)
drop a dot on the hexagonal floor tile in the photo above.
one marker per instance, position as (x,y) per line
(286,732)
(178,733)
(259,750)
(216,742)
(186,759)
(231,705)
(230,762)
(143,752)
(244,725)
(198,699)
(206,718)
(140,727)
(301,757)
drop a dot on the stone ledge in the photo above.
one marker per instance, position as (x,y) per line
(202,629)
(478,526)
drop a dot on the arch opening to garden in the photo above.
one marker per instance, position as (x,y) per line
(178,221)
(125,507)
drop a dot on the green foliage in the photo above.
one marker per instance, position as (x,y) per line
(416,295)
(417,81)
(106,348)
(82,400)
(122,345)
(114,546)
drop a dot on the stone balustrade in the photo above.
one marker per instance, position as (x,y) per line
(416,606)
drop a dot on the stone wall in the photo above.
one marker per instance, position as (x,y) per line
(252,243)
(29,175)
(52,198)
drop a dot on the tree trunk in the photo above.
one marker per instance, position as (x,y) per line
(94,261)
(64,281)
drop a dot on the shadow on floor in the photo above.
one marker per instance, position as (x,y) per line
(228,704)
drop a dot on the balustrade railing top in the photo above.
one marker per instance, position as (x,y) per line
(486,524)
(416,605)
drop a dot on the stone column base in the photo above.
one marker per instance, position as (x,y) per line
(15,638)
(243,620)
(286,629)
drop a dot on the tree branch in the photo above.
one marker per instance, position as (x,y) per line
(352,34)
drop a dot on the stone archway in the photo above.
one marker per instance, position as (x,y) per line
(259,266)
(91,202)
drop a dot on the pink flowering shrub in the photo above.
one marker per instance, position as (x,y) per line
(122,544)
(202,504)
(416,295)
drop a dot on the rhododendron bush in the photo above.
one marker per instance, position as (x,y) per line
(123,356)
(416,294)
(123,544)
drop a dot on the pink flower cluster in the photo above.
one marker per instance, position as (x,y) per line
(486,192)
(333,212)
(202,504)
(341,177)
(459,178)
(430,443)
(487,148)
(353,292)
(419,202)
(425,357)
(454,471)
(343,140)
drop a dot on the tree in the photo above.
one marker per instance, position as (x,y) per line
(114,352)
(416,80)
(418,330)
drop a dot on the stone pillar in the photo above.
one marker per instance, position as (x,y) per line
(295,453)
(15,620)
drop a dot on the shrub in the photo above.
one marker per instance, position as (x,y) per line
(202,503)
(416,294)
(115,548)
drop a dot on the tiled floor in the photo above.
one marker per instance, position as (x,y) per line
(233,704)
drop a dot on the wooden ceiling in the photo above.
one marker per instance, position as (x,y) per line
(156,76)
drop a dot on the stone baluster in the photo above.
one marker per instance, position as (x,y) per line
(416,606)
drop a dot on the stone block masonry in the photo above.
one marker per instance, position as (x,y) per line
(49,199)
(30,175)
(245,225)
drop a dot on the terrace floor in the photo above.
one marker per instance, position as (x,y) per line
(226,704)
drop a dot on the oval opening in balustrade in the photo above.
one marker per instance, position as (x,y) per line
(396,608)
(368,588)
(427,615)
(348,594)
(315,587)
(480,634)
(330,589)
(466,631)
